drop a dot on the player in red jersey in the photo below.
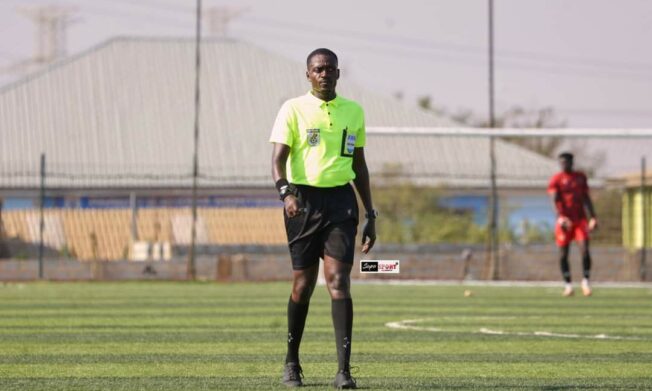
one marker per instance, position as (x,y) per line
(569,191)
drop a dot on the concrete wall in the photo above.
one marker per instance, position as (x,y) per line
(533,263)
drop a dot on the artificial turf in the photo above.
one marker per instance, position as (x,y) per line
(206,336)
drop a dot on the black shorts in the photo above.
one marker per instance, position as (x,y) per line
(327,227)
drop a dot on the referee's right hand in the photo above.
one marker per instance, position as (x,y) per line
(292,206)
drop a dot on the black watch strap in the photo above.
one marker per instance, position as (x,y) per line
(372,214)
(286,190)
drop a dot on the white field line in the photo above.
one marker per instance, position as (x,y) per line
(411,324)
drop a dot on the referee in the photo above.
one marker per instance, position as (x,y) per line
(319,143)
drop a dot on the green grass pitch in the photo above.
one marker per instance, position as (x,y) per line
(206,336)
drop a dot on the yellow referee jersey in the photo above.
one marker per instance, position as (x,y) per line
(321,136)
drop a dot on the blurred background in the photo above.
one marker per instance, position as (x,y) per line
(104,112)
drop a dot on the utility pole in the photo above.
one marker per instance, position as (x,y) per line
(41,225)
(494,257)
(191,266)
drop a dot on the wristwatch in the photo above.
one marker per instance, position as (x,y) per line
(287,190)
(372,214)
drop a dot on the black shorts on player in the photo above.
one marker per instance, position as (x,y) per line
(327,225)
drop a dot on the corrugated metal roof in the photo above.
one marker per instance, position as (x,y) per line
(121,115)
(441,160)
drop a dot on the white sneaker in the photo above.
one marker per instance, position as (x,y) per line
(586,288)
(568,291)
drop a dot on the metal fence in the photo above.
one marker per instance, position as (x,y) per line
(431,188)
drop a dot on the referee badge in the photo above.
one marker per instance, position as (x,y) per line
(348,143)
(313,137)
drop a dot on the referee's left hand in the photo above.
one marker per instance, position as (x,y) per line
(368,235)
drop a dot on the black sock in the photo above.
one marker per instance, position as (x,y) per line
(586,264)
(565,267)
(342,312)
(297,313)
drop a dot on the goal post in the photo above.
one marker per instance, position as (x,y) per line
(458,161)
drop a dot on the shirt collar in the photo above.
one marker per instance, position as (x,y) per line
(322,103)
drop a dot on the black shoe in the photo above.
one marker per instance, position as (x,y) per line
(292,375)
(344,381)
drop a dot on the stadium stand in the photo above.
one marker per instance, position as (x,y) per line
(104,234)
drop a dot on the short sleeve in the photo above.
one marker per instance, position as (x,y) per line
(361,138)
(552,185)
(282,132)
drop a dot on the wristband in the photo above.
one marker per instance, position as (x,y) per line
(372,214)
(280,183)
(285,189)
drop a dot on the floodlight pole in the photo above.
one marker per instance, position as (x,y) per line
(494,271)
(191,271)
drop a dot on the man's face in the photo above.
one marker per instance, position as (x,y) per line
(323,73)
(566,164)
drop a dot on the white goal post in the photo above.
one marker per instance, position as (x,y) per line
(514,132)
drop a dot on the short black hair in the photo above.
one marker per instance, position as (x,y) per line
(324,51)
(566,155)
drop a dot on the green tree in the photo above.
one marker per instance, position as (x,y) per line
(412,214)
(525,118)
(514,117)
